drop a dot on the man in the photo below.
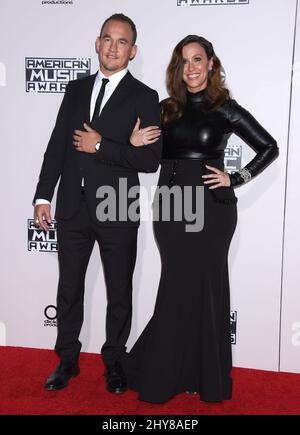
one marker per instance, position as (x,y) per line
(90,147)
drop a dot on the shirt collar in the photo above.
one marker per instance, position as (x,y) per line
(114,79)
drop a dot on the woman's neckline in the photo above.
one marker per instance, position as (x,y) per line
(197,97)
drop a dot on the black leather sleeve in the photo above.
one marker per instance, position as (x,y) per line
(244,125)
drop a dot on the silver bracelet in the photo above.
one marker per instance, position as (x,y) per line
(245,174)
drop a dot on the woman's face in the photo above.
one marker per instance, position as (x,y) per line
(195,67)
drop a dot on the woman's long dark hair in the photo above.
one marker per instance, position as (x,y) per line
(172,108)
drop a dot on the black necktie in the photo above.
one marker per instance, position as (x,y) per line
(99,100)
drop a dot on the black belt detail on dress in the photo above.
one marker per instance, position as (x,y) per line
(173,173)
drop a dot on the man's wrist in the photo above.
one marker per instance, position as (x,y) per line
(41,201)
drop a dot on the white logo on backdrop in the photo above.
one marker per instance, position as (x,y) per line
(2,74)
(296,336)
(211,2)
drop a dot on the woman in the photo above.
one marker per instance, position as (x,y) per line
(186,344)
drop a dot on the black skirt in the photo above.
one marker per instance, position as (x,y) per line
(186,345)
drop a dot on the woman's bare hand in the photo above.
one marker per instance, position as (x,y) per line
(144,136)
(217,179)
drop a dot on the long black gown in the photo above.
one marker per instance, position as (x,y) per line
(186,345)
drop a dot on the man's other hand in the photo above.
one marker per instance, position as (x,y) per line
(85,141)
(42,216)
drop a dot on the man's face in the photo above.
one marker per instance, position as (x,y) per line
(115,47)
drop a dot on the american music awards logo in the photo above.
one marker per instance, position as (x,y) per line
(211,2)
(233,324)
(39,240)
(233,157)
(51,75)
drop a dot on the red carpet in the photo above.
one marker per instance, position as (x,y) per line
(23,372)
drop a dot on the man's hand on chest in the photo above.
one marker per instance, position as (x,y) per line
(87,140)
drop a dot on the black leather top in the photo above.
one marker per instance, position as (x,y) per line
(201,133)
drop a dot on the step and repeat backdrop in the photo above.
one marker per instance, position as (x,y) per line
(44,44)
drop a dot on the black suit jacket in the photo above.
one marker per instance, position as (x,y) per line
(116,158)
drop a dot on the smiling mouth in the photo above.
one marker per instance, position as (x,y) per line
(193,76)
(110,56)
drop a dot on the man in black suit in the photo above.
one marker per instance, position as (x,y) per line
(98,141)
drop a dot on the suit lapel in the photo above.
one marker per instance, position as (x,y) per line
(86,92)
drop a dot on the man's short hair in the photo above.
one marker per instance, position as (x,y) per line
(124,19)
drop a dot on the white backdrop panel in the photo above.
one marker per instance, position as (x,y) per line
(257,64)
(290,331)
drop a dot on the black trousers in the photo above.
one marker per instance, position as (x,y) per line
(76,239)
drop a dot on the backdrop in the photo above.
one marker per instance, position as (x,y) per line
(44,44)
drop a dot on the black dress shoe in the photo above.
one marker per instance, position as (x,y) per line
(61,375)
(115,379)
